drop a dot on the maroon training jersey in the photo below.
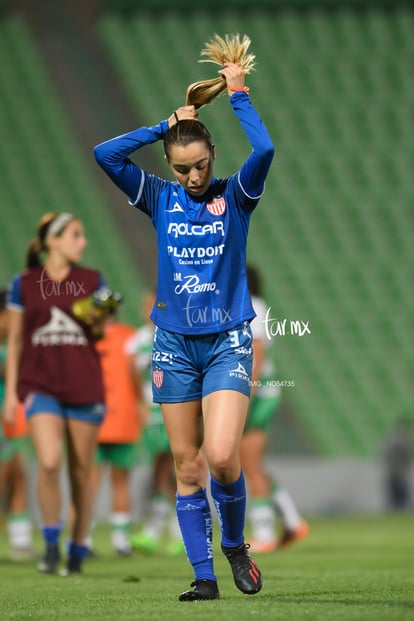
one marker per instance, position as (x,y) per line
(59,356)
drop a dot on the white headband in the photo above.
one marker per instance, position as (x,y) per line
(58,224)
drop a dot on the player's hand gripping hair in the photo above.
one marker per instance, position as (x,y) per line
(181,114)
(231,54)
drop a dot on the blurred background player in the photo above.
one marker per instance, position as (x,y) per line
(120,430)
(53,367)
(266,496)
(398,457)
(154,448)
(14,454)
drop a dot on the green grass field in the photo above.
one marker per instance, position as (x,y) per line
(350,568)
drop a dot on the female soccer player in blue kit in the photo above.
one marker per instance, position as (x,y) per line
(202,353)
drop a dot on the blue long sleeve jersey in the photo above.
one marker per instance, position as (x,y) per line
(202,285)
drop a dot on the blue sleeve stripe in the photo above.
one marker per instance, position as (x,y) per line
(140,189)
(248,195)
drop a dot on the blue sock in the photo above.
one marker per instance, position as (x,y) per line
(230,502)
(78,551)
(194,518)
(51,534)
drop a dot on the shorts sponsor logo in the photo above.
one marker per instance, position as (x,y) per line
(158,377)
(240,373)
(247,331)
(163,356)
(245,351)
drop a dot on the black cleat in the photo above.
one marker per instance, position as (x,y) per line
(73,566)
(50,560)
(204,589)
(246,574)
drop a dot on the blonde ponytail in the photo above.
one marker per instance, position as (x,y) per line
(219,51)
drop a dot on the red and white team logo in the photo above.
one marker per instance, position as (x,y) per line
(217,207)
(158,377)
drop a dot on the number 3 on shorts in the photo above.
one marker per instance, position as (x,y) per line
(234,338)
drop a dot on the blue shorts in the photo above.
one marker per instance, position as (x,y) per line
(36,403)
(187,368)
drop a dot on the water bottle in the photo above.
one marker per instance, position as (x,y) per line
(101,303)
